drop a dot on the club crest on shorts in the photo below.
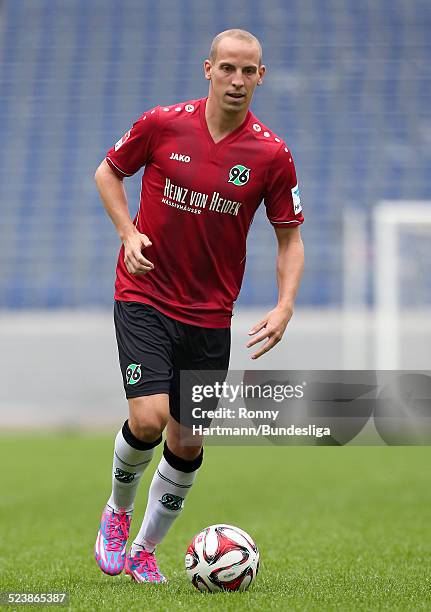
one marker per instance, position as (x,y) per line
(133,373)
(239,175)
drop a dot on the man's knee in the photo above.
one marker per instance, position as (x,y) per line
(148,416)
(146,430)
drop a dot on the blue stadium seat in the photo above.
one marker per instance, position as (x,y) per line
(347,86)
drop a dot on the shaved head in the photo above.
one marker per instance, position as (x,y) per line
(238,34)
(234,69)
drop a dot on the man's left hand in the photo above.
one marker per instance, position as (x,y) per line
(272,327)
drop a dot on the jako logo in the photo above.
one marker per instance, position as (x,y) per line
(179,157)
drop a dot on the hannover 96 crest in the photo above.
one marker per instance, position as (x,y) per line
(172,502)
(239,175)
(133,373)
(122,476)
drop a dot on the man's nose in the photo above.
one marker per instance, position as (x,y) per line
(238,79)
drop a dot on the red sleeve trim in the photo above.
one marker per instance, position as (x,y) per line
(116,169)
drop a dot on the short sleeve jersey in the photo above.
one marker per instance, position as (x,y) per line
(198,199)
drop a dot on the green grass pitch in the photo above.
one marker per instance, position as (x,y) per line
(337,528)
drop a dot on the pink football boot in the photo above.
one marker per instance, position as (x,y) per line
(142,567)
(110,547)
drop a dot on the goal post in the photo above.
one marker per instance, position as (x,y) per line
(390,219)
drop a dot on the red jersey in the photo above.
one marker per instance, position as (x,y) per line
(198,199)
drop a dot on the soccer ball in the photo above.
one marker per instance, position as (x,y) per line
(222,558)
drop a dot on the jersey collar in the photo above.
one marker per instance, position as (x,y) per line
(230,137)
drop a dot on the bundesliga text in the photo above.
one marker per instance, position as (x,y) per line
(311,431)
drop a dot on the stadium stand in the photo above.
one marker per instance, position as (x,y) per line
(348,87)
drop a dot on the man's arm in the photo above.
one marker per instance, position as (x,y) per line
(290,264)
(113,195)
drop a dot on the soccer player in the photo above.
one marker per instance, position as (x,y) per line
(208,165)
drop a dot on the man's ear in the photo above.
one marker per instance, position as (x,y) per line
(262,71)
(207,69)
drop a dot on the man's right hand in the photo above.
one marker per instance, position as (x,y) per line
(135,262)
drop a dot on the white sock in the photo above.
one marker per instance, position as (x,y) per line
(131,458)
(166,496)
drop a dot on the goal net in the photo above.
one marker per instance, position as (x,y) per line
(402,284)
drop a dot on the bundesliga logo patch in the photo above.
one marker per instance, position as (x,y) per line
(122,140)
(296,199)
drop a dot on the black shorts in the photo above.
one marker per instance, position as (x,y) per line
(153,349)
